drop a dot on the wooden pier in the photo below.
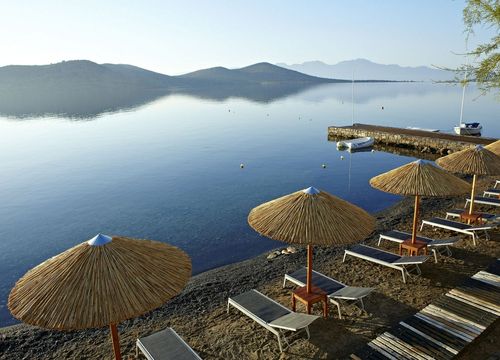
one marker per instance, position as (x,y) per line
(419,140)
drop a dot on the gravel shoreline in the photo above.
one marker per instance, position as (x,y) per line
(199,315)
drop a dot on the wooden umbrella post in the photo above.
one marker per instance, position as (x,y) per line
(116,341)
(415,220)
(471,208)
(309,269)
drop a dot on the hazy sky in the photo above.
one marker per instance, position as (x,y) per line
(179,36)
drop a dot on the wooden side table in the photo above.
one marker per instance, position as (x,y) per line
(308,299)
(413,249)
(472,218)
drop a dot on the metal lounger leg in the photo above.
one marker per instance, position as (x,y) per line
(337,303)
(379,240)
(308,333)
(279,342)
(284,282)
(362,304)
(422,226)
(403,270)
(435,255)
(474,239)
(345,254)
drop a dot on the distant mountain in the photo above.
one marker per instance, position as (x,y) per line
(262,73)
(368,70)
(82,88)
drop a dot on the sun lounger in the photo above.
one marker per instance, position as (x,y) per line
(337,291)
(455,213)
(491,192)
(165,345)
(483,201)
(405,264)
(442,329)
(273,316)
(434,245)
(457,227)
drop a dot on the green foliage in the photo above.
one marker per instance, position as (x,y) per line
(485,68)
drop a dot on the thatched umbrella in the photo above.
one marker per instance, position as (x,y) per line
(472,161)
(494,147)
(311,217)
(98,283)
(418,179)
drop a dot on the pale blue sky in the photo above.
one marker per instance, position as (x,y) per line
(180,36)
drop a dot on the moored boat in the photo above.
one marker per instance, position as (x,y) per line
(468,129)
(358,143)
(422,129)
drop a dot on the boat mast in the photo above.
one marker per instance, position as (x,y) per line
(464,82)
(352,98)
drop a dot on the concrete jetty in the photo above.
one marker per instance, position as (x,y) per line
(419,140)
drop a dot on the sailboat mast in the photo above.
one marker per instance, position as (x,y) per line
(463,97)
(465,80)
(352,98)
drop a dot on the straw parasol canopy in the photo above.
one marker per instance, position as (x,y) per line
(417,179)
(311,217)
(472,161)
(100,282)
(494,147)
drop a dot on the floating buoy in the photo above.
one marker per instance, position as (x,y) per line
(323,166)
(382,108)
(242,166)
(341,157)
(229,110)
(267,114)
(373,150)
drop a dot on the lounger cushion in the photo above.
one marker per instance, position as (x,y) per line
(293,321)
(408,260)
(401,236)
(352,293)
(375,253)
(323,282)
(493,191)
(166,345)
(260,306)
(449,223)
(458,212)
(486,200)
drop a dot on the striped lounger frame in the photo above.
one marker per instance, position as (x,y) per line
(434,245)
(165,345)
(337,291)
(458,227)
(491,192)
(455,213)
(385,258)
(484,201)
(444,328)
(273,316)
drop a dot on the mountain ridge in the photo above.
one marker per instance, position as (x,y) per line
(368,70)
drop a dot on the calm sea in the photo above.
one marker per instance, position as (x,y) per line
(169,170)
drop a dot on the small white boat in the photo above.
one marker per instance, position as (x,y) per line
(422,129)
(468,129)
(354,144)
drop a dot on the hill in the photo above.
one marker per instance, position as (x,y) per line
(83,88)
(263,73)
(368,70)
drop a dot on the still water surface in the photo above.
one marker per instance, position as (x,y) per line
(170,170)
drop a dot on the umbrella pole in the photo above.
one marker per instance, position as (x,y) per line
(471,209)
(309,269)
(415,220)
(116,341)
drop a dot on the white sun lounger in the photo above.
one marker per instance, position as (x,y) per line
(273,316)
(165,345)
(491,192)
(336,290)
(458,227)
(483,201)
(455,213)
(434,245)
(385,258)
